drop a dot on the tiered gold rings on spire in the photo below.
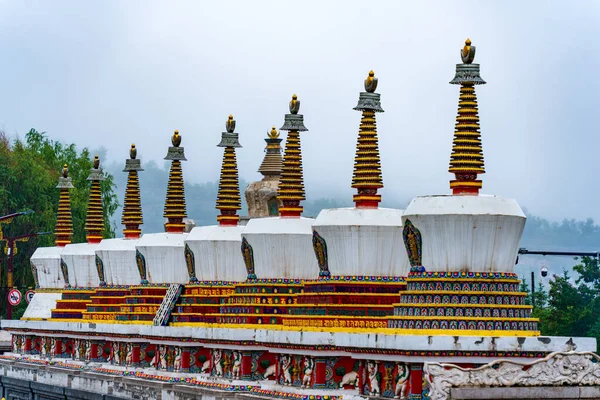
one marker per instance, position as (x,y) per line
(64,222)
(94,221)
(466,161)
(175,209)
(132,206)
(291,184)
(228,197)
(367,177)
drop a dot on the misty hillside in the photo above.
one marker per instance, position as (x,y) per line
(540,234)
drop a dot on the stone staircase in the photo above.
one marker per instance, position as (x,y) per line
(164,311)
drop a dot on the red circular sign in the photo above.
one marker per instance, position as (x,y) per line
(29,296)
(14,297)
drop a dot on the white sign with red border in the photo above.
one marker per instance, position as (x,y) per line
(29,296)
(14,297)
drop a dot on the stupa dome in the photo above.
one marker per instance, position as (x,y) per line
(467,233)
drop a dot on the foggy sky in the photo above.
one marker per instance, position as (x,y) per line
(109,73)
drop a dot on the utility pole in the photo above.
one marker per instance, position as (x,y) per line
(532,289)
(10,251)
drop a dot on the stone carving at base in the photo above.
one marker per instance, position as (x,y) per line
(557,369)
(205,367)
(270,371)
(43,351)
(236,369)
(350,379)
(374,377)
(286,370)
(309,366)
(177,360)
(217,358)
(88,350)
(402,381)
(128,354)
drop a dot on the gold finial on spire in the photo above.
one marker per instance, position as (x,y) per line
(133,152)
(230,124)
(468,52)
(65,171)
(294,105)
(467,47)
(273,134)
(176,139)
(96,162)
(371,82)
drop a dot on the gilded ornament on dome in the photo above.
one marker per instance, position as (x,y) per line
(140,261)
(190,263)
(320,248)
(468,52)
(65,171)
(412,242)
(230,124)
(248,256)
(294,105)
(176,139)
(100,270)
(65,272)
(96,162)
(273,134)
(371,82)
(133,152)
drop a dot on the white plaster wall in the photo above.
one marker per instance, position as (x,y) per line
(41,305)
(467,233)
(282,248)
(81,264)
(47,262)
(118,258)
(363,242)
(387,340)
(165,259)
(217,253)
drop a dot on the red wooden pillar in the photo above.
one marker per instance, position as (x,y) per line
(416,381)
(277,367)
(93,351)
(58,345)
(361,375)
(28,343)
(246,365)
(135,354)
(185,359)
(320,372)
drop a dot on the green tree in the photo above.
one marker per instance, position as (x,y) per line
(29,171)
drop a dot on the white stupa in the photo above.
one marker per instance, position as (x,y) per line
(365,240)
(213,252)
(281,247)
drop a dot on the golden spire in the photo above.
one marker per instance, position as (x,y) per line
(132,207)
(175,210)
(94,221)
(64,221)
(291,184)
(466,161)
(228,197)
(271,165)
(367,165)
